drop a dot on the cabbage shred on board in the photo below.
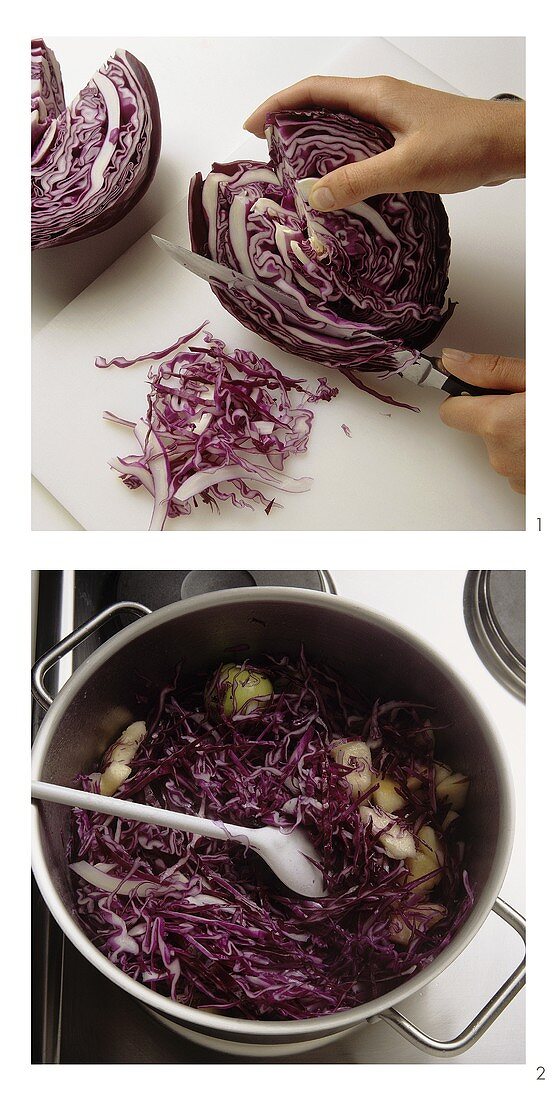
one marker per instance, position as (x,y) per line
(206,923)
(219,427)
(91,162)
(367,281)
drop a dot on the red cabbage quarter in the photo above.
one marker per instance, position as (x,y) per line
(219,426)
(366,282)
(205,922)
(90,162)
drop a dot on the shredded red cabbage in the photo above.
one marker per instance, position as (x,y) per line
(204,922)
(219,426)
(366,282)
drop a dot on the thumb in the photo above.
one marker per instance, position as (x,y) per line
(492,372)
(384,174)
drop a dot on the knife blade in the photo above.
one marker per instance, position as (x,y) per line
(424,371)
(210,270)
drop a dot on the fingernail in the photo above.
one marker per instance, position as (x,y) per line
(458,356)
(321,198)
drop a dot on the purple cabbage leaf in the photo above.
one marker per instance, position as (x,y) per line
(368,283)
(91,162)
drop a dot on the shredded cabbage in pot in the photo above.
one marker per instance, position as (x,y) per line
(206,923)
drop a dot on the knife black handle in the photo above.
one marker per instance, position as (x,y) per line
(456,387)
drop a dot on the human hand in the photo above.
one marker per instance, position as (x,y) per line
(500,420)
(442,143)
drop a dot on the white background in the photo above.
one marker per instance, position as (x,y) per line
(46,549)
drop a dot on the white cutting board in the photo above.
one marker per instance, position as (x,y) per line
(401,471)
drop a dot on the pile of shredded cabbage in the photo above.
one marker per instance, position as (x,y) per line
(206,923)
(219,426)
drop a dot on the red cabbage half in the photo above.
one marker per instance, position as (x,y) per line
(219,426)
(206,923)
(93,161)
(367,281)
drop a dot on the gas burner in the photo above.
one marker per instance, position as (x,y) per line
(159,587)
(495,614)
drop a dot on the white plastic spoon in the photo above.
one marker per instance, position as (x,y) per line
(288,854)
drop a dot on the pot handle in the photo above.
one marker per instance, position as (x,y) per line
(67,644)
(484,1019)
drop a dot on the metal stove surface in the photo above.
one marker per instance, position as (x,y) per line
(495,615)
(79,1017)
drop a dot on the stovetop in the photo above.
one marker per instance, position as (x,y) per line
(81,1017)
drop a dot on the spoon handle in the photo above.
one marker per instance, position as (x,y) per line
(136,811)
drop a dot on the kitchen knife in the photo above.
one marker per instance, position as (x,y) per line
(425,371)
(429,371)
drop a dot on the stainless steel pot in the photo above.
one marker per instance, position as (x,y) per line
(100,699)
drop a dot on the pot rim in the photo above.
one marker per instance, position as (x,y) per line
(266,1028)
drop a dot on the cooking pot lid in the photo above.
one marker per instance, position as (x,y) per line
(495,614)
(159,587)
